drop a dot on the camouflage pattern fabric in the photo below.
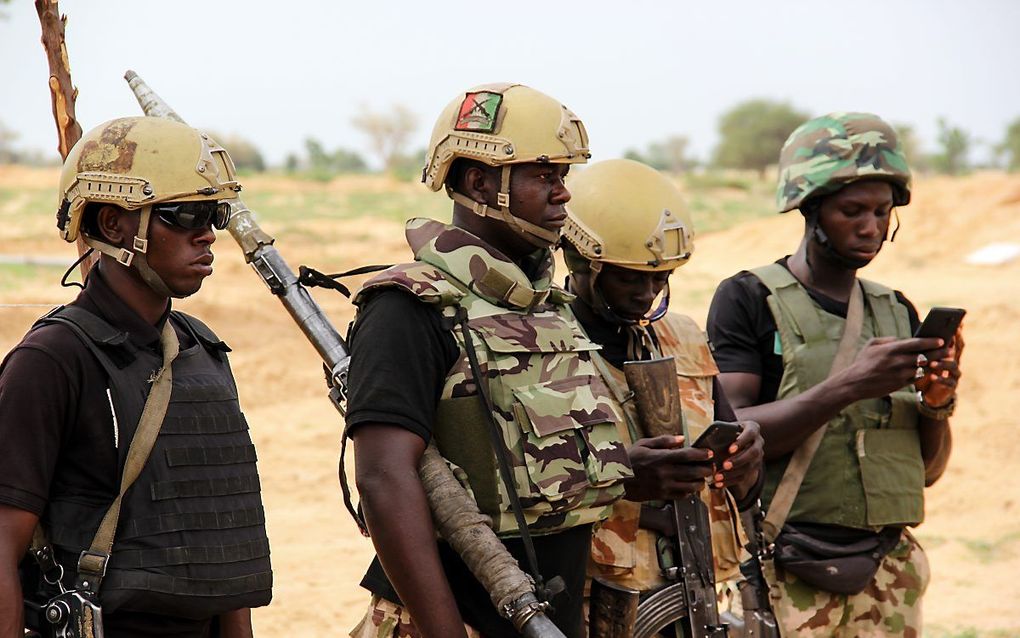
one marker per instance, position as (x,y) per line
(889,606)
(387,620)
(622,552)
(824,154)
(557,417)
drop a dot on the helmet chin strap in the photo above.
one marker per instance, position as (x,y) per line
(820,237)
(532,233)
(606,312)
(136,256)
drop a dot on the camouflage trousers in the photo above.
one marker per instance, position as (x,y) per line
(387,620)
(889,606)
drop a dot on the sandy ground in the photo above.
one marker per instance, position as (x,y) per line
(972,531)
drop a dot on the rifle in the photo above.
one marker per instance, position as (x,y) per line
(455,513)
(759,620)
(691,599)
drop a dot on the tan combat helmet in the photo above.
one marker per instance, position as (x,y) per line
(502,125)
(133,163)
(625,213)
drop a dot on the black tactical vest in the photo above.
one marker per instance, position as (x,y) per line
(191,540)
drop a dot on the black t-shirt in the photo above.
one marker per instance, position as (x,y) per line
(59,433)
(743,331)
(400,356)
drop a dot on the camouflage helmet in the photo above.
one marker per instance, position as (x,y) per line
(826,153)
(133,163)
(625,213)
(502,125)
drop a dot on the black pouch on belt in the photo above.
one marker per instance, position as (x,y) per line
(835,559)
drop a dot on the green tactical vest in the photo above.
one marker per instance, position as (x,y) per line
(868,471)
(556,415)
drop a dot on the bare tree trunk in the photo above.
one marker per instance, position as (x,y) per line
(62,91)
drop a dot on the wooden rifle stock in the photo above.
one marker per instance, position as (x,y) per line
(656,396)
(692,598)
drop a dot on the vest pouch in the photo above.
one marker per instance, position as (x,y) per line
(893,476)
(569,436)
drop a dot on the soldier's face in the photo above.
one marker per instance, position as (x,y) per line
(182,258)
(856,218)
(630,293)
(538,195)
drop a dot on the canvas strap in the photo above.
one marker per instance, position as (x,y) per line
(800,461)
(92,562)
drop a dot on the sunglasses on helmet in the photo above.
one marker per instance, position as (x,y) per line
(194,215)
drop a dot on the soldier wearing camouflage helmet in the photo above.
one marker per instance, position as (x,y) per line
(854,429)
(627,232)
(471,346)
(78,399)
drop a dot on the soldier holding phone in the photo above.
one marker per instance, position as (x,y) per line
(627,231)
(825,360)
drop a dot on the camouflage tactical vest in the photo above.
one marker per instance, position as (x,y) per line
(624,553)
(557,417)
(868,471)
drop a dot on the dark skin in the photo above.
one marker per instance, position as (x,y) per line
(387,457)
(183,260)
(856,220)
(663,468)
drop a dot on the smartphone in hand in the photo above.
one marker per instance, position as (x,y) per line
(718,437)
(941,323)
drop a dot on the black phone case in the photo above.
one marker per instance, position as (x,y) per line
(718,437)
(941,323)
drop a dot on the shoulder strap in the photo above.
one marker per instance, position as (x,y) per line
(92,562)
(790,483)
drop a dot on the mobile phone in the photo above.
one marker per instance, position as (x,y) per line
(718,437)
(941,323)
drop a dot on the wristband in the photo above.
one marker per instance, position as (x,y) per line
(940,413)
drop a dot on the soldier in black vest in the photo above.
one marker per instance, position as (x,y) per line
(189,554)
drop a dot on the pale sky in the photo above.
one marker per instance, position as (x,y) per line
(634,71)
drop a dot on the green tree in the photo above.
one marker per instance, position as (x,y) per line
(1010,147)
(917,159)
(954,145)
(671,154)
(323,164)
(388,133)
(752,133)
(8,154)
(245,154)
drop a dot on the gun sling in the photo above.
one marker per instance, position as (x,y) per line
(545,591)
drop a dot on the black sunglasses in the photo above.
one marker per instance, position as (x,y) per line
(194,215)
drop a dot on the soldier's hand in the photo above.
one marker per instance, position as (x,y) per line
(664,470)
(744,459)
(886,364)
(938,378)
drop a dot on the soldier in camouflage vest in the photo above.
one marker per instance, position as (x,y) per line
(627,231)
(882,419)
(482,289)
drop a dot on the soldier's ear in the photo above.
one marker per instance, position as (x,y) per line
(475,183)
(116,225)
